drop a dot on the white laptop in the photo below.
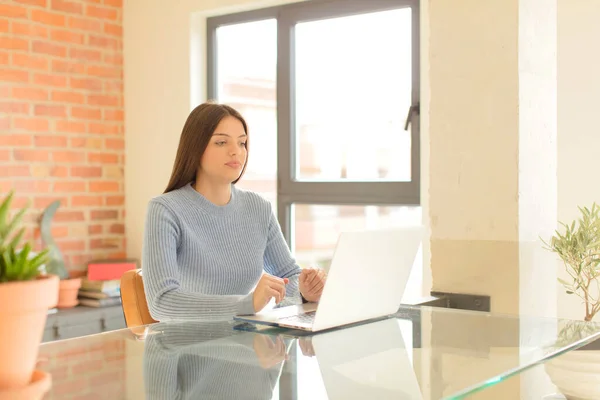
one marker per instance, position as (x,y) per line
(366,280)
(369,361)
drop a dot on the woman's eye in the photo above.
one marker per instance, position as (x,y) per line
(221,143)
(243,144)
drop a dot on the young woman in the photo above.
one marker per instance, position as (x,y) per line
(211,250)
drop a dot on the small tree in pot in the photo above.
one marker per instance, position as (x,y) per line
(25,295)
(579,249)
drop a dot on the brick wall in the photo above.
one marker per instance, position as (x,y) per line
(61,119)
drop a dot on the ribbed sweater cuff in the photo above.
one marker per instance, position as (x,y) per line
(246,305)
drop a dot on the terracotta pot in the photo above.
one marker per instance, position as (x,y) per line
(23,315)
(40,384)
(67,293)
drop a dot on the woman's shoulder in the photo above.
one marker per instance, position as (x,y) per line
(250,198)
(171,201)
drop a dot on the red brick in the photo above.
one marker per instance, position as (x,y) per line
(85,55)
(13,171)
(106,43)
(51,111)
(117,228)
(104,214)
(67,67)
(59,171)
(102,244)
(12,75)
(118,144)
(85,24)
(101,12)
(51,49)
(114,59)
(70,126)
(113,29)
(114,115)
(86,83)
(51,141)
(4,123)
(102,128)
(28,93)
(63,216)
(43,202)
(4,26)
(87,142)
(68,97)
(67,156)
(50,80)
(39,3)
(48,18)
(32,124)
(115,200)
(71,245)
(67,6)
(30,61)
(104,186)
(114,3)
(30,186)
(103,158)
(4,58)
(29,29)
(13,11)
(104,72)
(95,229)
(70,186)
(86,113)
(15,140)
(86,201)
(5,91)
(30,155)
(103,100)
(86,172)
(67,36)
(113,86)
(4,155)
(14,108)
(12,43)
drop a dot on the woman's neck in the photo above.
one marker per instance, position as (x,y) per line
(218,194)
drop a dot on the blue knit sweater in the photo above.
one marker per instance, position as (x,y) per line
(201,261)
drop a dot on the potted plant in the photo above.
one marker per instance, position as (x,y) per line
(68,286)
(577,373)
(25,295)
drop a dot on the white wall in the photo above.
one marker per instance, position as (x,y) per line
(578,124)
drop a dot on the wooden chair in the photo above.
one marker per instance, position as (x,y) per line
(133,299)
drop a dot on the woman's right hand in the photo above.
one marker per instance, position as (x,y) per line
(269,286)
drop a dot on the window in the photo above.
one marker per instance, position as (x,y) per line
(326,87)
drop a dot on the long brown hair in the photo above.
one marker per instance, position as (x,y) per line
(197,131)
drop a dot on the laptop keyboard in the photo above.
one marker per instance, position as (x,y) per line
(306,318)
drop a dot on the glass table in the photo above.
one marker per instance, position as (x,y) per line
(419,353)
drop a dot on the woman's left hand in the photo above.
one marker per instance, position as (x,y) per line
(312,282)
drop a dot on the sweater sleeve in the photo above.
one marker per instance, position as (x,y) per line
(167,301)
(279,262)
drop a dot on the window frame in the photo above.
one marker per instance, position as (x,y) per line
(290,191)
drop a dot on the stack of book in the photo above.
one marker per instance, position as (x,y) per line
(100,293)
(102,285)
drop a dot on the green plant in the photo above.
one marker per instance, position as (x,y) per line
(16,264)
(579,249)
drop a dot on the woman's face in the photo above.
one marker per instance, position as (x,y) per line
(225,155)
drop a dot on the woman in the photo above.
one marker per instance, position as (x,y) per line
(211,250)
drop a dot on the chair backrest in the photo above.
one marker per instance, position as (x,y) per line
(133,299)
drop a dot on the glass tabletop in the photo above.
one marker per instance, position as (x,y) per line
(419,353)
